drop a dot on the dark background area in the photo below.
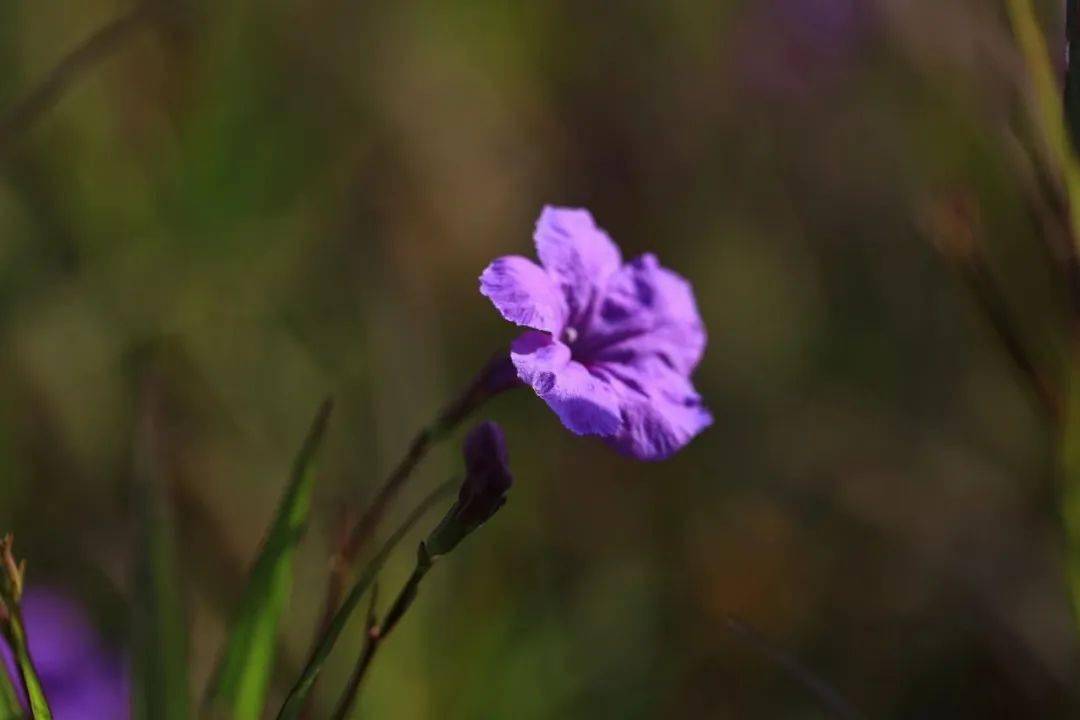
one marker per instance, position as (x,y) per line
(268,202)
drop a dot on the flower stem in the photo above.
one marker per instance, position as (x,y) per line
(498,375)
(956,234)
(377,634)
(12,575)
(1057,116)
(15,632)
(1049,115)
(74,65)
(296,702)
(10,708)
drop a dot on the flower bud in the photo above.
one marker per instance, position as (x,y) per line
(487,481)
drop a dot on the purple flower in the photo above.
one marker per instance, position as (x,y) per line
(83,679)
(611,346)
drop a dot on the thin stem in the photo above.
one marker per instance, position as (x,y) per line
(957,239)
(376,635)
(10,707)
(15,633)
(498,375)
(1049,208)
(71,67)
(12,582)
(987,292)
(296,701)
(828,696)
(1058,114)
(1049,113)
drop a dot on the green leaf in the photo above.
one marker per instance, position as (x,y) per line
(297,699)
(239,685)
(160,687)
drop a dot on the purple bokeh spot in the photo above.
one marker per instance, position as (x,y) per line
(83,678)
(795,49)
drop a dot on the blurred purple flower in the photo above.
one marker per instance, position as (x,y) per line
(612,345)
(82,677)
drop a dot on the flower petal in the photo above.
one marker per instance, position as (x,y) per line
(586,404)
(647,312)
(661,411)
(524,294)
(577,254)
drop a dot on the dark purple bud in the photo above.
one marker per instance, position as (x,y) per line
(487,474)
(487,481)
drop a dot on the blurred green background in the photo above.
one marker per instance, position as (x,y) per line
(262,203)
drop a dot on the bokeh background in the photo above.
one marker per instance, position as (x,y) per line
(257,204)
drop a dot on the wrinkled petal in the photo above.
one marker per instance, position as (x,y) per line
(577,254)
(524,294)
(648,312)
(586,404)
(661,411)
(612,347)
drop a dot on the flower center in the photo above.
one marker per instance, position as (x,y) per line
(571,335)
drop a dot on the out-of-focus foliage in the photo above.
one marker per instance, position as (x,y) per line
(241,680)
(258,204)
(157,616)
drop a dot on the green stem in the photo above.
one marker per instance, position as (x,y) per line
(15,632)
(159,632)
(70,69)
(10,707)
(496,376)
(377,635)
(1055,117)
(297,698)
(1050,115)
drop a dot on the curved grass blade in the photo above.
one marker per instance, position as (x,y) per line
(1050,110)
(11,586)
(297,699)
(10,707)
(240,682)
(160,687)
(16,635)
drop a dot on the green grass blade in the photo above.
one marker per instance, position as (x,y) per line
(240,682)
(10,709)
(39,706)
(12,575)
(297,699)
(1050,113)
(160,682)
